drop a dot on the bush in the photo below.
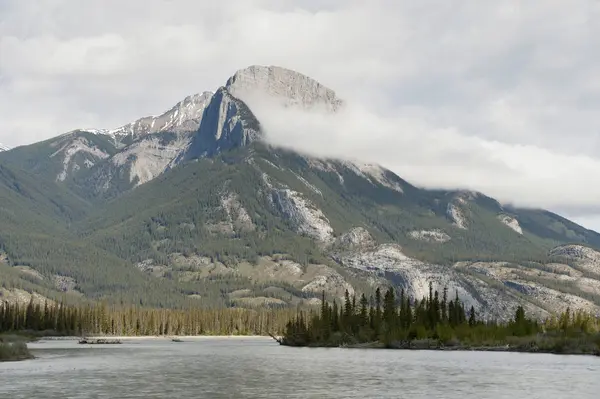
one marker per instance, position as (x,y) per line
(10,351)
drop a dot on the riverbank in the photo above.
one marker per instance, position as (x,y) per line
(151,337)
(537,344)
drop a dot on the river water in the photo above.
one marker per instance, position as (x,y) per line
(259,368)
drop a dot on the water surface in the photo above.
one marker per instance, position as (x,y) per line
(259,368)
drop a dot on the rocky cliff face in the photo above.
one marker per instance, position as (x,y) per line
(227,123)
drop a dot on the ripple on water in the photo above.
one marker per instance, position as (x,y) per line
(259,368)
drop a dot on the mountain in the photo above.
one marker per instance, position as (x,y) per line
(3,147)
(185,116)
(207,211)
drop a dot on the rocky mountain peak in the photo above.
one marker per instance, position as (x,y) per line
(288,87)
(227,123)
(184,116)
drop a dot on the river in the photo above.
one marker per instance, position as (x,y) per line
(259,368)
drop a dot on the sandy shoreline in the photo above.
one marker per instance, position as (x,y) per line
(158,337)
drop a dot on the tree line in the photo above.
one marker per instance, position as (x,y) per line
(397,320)
(101,319)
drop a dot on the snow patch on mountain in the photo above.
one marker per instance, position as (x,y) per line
(4,147)
(70,148)
(306,217)
(429,235)
(511,223)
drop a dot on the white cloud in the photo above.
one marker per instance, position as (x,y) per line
(501,97)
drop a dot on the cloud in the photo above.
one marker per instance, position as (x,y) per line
(500,97)
(525,175)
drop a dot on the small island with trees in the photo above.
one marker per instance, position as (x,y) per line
(437,322)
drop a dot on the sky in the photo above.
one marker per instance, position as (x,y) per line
(500,97)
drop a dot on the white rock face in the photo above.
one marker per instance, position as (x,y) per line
(429,235)
(356,238)
(585,258)
(237,216)
(457,216)
(331,281)
(184,116)
(511,222)
(150,156)
(307,218)
(524,280)
(69,148)
(287,87)
(414,277)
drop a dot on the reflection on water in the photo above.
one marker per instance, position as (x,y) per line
(259,368)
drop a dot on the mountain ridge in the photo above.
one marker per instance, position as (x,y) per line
(218,215)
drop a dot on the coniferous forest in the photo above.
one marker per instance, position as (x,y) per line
(437,322)
(63,320)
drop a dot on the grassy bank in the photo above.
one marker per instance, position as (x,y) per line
(563,345)
(13,348)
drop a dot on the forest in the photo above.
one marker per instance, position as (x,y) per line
(101,319)
(437,322)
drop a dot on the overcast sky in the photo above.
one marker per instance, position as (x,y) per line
(501,97)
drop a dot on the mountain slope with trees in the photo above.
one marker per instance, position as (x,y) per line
(217,216)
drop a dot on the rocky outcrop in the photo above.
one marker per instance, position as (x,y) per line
(150,156)
(429,235)
(457,216)
(237,216)
(356,238)
(306,218)
(511,222)
(584,258)
(76,152)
